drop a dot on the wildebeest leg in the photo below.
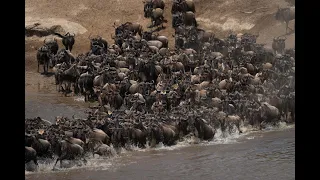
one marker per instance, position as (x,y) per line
(84,160)
(292,116)
(38,65)
(35,161)
(56,163)
(69,87)
(45,69)
(238,126)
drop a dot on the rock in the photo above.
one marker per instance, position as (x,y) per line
(44,27)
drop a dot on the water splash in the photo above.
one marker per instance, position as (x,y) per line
(119,157)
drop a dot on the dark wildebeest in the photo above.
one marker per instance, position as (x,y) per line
(190,19)
(69,151)
(129,26)
(182,6)
(205,131)
(178,6)
(149,70)
(100,42)
(137,136)
(67,40)
(53,46)
(177,19)
(286,15)
(62,56)
(278,45)
(147,8)
(43,58)
(157,18)
(30,155)
(149,5)
(42,146)
(85,85)
(69,76)
(158,4)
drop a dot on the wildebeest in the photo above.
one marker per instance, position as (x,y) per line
(69,151)
(67,40)
(205,131)
(182,6)
(69,76)
(190,19)
(278,45)
(100,42)
(43,57)
(157,17)
(53,46)
(177,19)
(30,155)
(134,28)
(286,15)
(42,146)
(85,85)
(149,5)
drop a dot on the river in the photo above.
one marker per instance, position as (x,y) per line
(269,154)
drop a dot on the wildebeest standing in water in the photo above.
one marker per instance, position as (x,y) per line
(69,151)
(30,155)
(286,15)
(43,58)
(67,40)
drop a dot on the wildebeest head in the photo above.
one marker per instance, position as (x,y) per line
(147,9)
(147,35)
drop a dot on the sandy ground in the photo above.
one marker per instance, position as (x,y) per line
(85,17)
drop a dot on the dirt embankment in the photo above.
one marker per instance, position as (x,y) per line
(94,17)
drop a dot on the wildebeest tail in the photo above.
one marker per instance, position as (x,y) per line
(59,35)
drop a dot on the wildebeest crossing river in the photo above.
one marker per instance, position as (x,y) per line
(217,108)
(268,154)
(265,155)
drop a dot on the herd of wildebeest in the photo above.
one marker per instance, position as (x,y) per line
(148,94)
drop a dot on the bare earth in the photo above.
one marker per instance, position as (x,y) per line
(85,17)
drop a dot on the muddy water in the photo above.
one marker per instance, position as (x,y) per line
(266,155)
(43,100)
(256,155)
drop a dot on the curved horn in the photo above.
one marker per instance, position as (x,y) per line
(89,36)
